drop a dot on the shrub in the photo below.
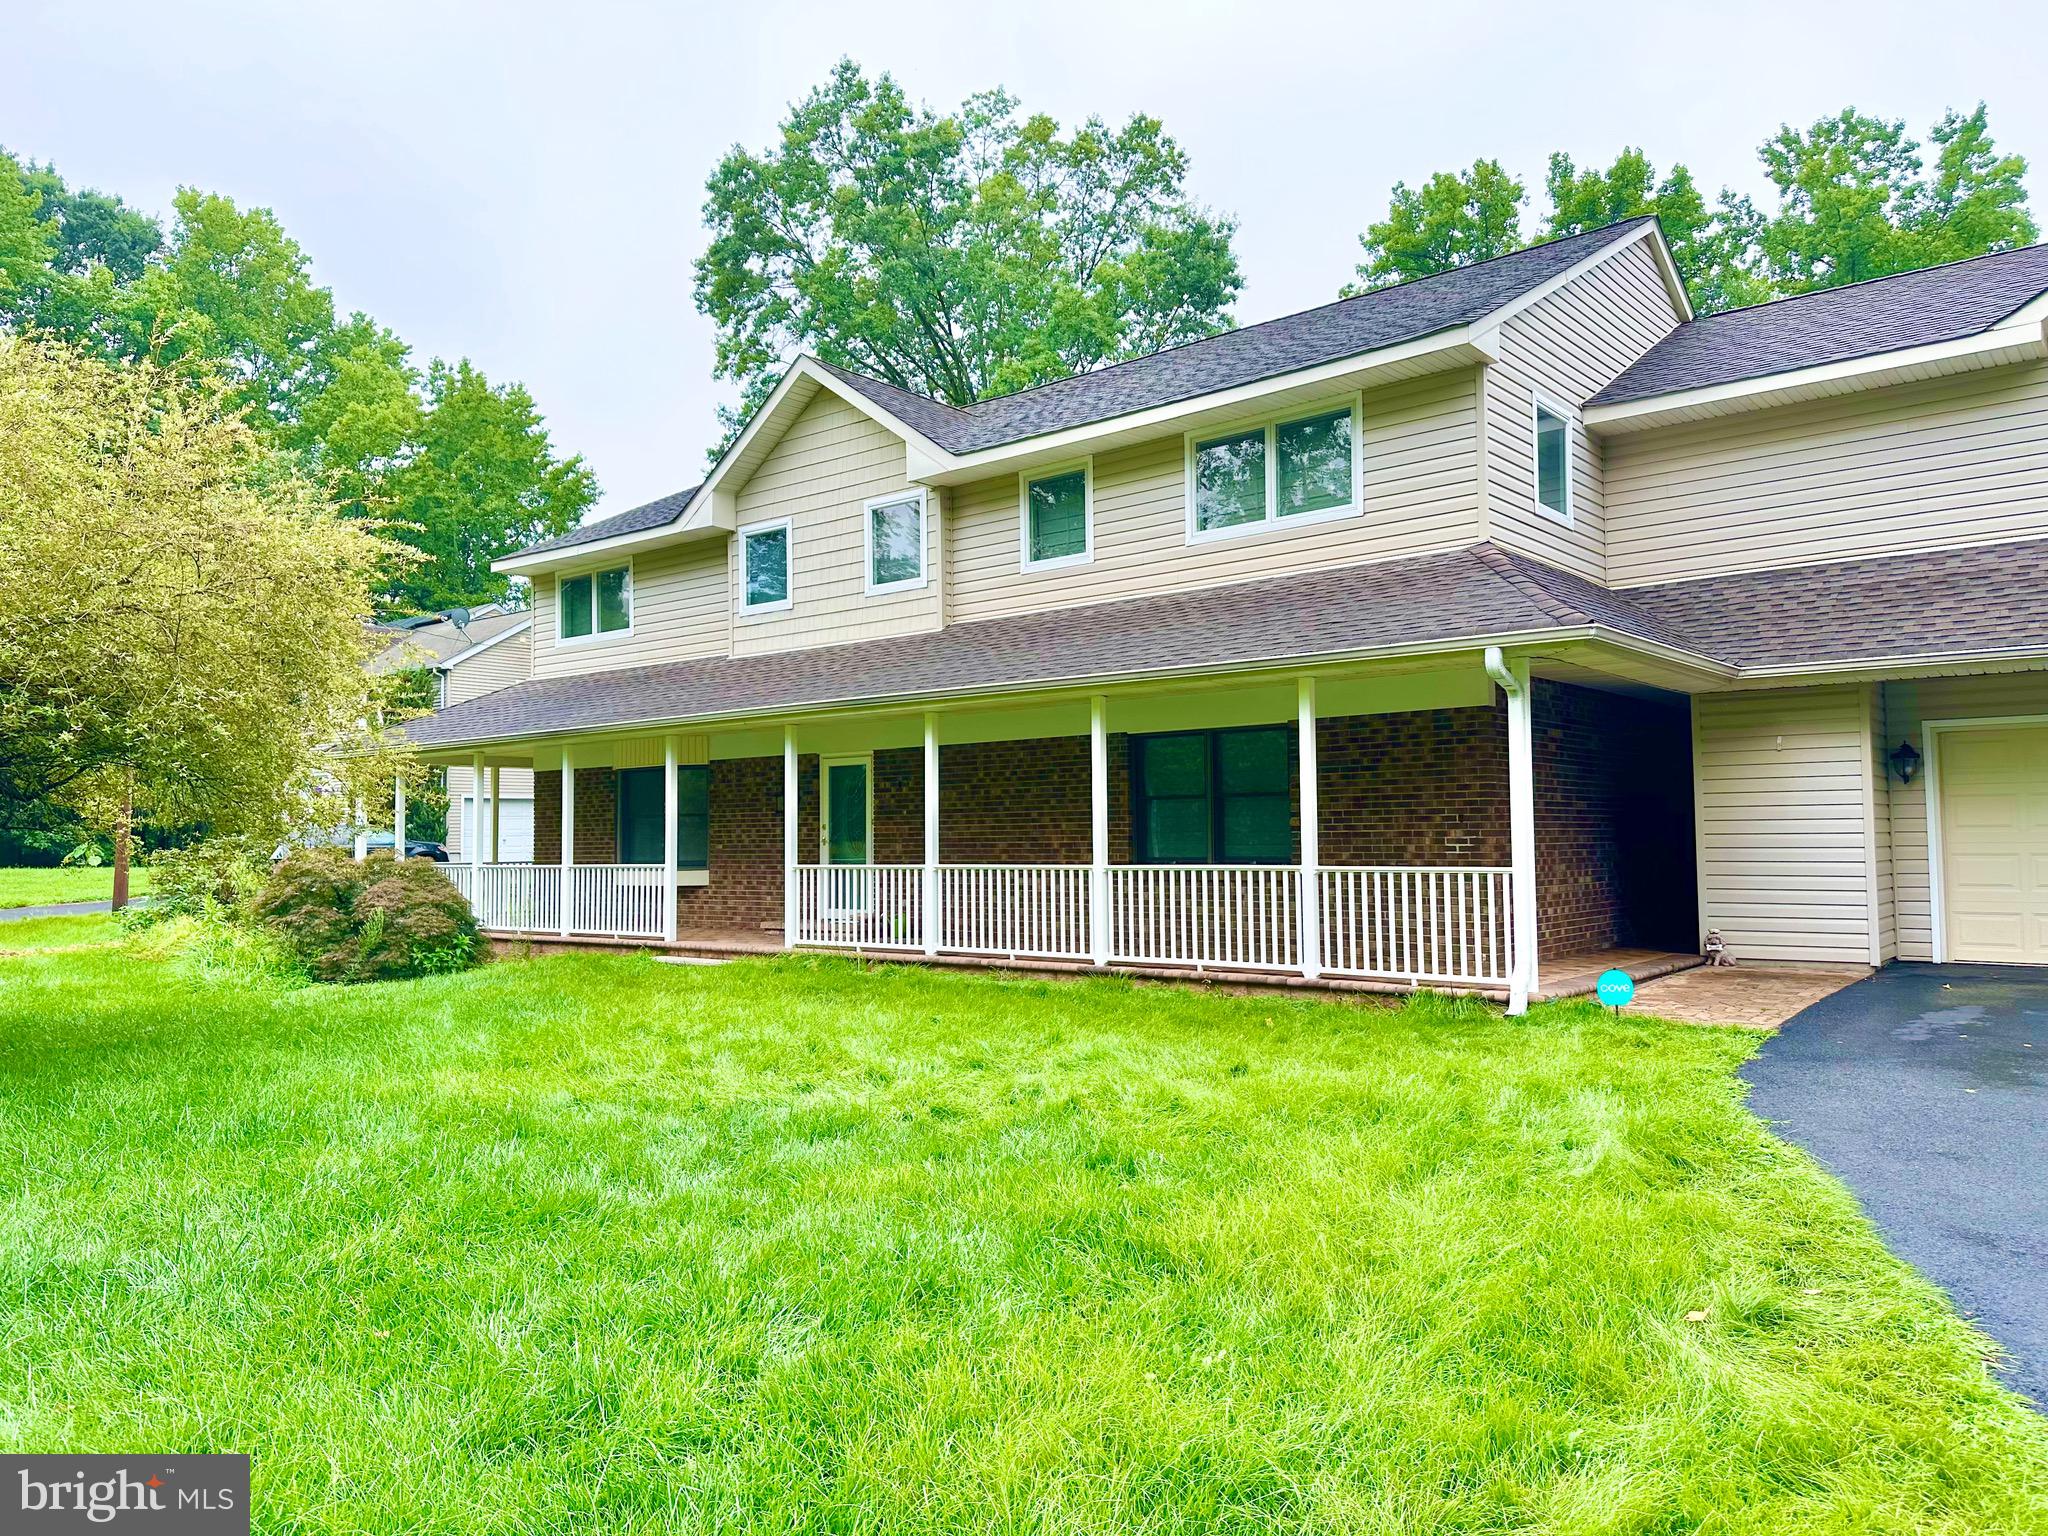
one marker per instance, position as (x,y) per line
(378,920)
(214,881)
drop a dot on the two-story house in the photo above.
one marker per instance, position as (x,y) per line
(1504,616)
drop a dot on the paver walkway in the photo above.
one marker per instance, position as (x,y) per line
(1756,997)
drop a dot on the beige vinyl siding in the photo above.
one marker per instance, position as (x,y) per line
(507,662)
(823,472)
(1420,494)
(678,614)
(1567,346)
(1878,815)
(1931,465)
(1908,707)
(1782,782)
(513,784)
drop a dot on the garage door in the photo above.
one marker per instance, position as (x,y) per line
(515,830)
(1994,843)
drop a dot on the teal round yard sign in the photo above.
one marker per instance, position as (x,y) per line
(1615,988)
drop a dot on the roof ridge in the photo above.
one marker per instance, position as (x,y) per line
(1872,282)
(1294,314)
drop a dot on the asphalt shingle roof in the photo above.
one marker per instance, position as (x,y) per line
(1941,602)
(1886,314)
(652,514)
(1384,317)
(1935,603)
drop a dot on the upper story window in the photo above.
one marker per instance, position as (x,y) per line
(593,603)
(1553,461)
(1300,467)
(895,542)
(764,566)
(1057,512)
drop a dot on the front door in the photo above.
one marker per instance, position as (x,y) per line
(846,830)
(1994,843)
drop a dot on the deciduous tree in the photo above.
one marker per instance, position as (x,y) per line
(1451,220)
(185,609)
(959,254)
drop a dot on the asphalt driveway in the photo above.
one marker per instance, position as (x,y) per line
(1925,1089)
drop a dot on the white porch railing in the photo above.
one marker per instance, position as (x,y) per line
(1416,924)
(616,900)
(1034,910)
(860,906)
(1245,915)
(521,898)
(605,900)
(1411,924)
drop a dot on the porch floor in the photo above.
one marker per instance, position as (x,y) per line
(1570,976)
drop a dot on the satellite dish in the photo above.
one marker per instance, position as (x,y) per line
(459,617)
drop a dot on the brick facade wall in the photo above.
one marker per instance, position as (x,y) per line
(1613,811)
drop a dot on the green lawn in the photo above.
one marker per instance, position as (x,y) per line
(599,1244)
(46,887)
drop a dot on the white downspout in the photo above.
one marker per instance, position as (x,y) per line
(1513,680)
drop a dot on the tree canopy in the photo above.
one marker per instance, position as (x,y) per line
(960,254)
(184,609)
(226,294)
(1856,198)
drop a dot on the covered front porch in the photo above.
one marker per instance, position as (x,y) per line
(1441,822)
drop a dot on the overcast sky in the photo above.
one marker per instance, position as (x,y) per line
(520,183)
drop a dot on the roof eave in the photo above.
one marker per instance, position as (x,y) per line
(883,703)
(2020,339)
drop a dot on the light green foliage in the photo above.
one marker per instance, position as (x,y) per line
(610,1245)
(184,609)
(1453,219)
(959,255)
(451,463)
(1856,199)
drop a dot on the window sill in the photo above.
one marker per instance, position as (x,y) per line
(685,877)
(1272,525)
(1060,562)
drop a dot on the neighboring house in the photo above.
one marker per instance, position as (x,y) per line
(1614,625)
(491,649)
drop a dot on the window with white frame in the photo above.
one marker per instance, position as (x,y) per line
(895,542)
(1057,512)
(594,603)
(1298,467)
(764,566)
(1553,461)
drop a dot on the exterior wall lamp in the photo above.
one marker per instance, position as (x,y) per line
(1905,761)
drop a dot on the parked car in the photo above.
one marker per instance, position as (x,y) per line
(377,842)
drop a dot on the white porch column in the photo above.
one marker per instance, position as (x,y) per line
(494,772)
(568,842)
(789,850)
(398,816)
(1098,827)
(1311,835)
(931,833)
(668,839)
(475,830)
(1513,678)
(362,831)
